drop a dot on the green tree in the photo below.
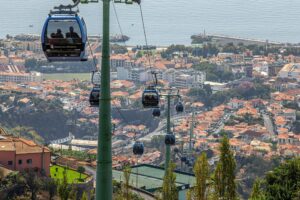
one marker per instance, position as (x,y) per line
(84,196)
(123,191)
(12,186)
(73,193)
(201,170)
(1,173)
(169,188)
(50,185)
(189,194)
(126,187)
(284,181)
(257,193)
(80,170)
(33,183)
(224,177)
(64,188)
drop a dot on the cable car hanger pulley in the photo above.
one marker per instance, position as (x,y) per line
(64,8)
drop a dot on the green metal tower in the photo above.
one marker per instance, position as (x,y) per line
(168,147)
(104,155)
(169,93)
(192,130)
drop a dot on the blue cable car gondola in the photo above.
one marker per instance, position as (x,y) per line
(138,148)
(64,37)
(176,150)
(183,159)
(95,97)
(150,98)
(179,107)
(156,112)
(170,139)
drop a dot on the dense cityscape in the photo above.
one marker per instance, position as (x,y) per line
(240,124)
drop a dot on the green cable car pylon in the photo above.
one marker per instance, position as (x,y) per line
(104,155)
(104,188)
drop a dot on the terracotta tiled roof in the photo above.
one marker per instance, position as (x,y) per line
(20,145)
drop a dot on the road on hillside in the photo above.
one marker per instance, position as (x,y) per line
(268,124)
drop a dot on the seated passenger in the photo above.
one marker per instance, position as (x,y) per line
(72,34)
(58,34)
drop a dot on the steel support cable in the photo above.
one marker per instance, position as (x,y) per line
(119,24)
(120,28)
(124,42)
(146,41)
(92,53)
(122,117)
(94,61)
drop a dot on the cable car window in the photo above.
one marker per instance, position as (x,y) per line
(151,96)
(63,38)
(64,29)
(96,95)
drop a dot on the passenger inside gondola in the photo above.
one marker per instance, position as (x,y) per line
(58,34)
(151,99)
(72,34)
(63,39)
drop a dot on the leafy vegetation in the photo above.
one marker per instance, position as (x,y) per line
(40,120)
(118,49)
(199,39)
(122,190)
(224,175)
(79,155)
(247,118)
(202,172)
(169,189)
(281,183)
(175,48)
(27,185)
(246,90)
(214,73)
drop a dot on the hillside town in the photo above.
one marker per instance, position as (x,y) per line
(250,96)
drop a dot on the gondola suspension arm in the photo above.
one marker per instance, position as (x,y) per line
(70,6)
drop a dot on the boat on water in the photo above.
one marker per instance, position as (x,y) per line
(119,38)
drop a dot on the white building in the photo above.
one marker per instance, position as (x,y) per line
(215,86)
(169,75)
(290,71)
(137,74)
(123,73)
(21,77)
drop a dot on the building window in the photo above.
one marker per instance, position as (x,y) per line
(29,161)
(10,162)
(20,162)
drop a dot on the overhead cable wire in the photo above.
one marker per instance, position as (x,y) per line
(146,41)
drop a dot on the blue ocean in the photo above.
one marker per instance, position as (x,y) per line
(169,22)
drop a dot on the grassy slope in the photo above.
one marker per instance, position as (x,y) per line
(72,175)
